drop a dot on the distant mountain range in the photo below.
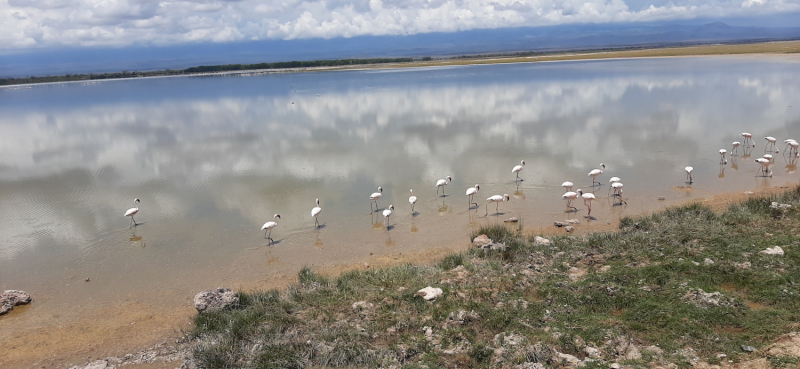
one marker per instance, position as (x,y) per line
(553,38)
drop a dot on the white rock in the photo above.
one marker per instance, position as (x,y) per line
(591,351)
(708,261)
(99,364)
(541,241)
(777,250)
(614,366)
(481,240)
(430,293)
(572,361)
(215,299)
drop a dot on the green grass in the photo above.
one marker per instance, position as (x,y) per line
(631,289)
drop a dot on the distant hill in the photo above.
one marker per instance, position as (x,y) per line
(553,38)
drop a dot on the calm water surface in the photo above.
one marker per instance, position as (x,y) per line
(214,158)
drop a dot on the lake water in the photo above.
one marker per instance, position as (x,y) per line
(213,158)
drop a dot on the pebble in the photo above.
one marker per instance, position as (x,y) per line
(746,348)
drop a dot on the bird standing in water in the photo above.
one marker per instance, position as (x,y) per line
(497,199)
(132,211)
(374,197)
(315,213)
(518,169)
(268,226)
(387,213)
(411,200)
(441,183)
(471,193)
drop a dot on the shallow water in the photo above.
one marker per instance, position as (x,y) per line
(214,158)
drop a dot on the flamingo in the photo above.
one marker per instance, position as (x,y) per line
(771,141)
(587,200)
(768,157)
(689,173)
(315,213)
(411,200)
(788,143)
(496,199)
(132,211)
(618,192)
(722,159)
(387,213)
(764,167)
(569,196)
(268,226)
(567,185)
(441,183)
(471,193)
(518,169)
(794,146)
(735,147)
(611,182)
(596,172)
(748,138)
(374,197)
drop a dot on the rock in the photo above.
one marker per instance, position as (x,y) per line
(572,221)
(708,261)
(481,241)
(654,350)
(212,300)
(777,206)
(695,263)
(614,366)
(777,250)
(541,241)
(626,349)
(530,366)
(592,352)
(560,224)
(363,308)
(746,348)
(511,220)
(569,228)
(661,198)
(748,192)
(704,299)
(11,298)
(429,293)
(745,265)
(604,269)
(572,361)
(99,364)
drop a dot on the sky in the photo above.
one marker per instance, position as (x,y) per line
(53,24)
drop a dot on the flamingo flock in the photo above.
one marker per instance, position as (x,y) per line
(614,191)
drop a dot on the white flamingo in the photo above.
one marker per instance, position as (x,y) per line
(374,197)
(315,213)
(268,226)
(769,157)
(518,168)
(611,183)
(788,143)
(771,141)
(596,172)
(471,193)
(689,173)
(735,147)
(411,200)
(567,185)
(748,138)
(587,201)
(569,196)
(132,211)
(722,159)
(441,183)
(618,192)
(496,199)
(386,214)
(764,169)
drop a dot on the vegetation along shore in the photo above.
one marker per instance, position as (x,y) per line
(684,287)
(783,47)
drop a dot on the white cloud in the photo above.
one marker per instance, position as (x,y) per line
(51,23)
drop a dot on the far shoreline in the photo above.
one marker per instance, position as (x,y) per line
(770,48)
